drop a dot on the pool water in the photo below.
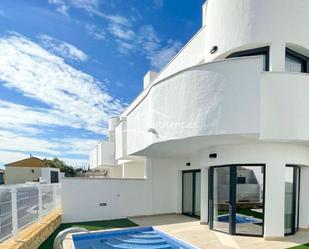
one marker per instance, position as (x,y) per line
(145,237)
(240,219)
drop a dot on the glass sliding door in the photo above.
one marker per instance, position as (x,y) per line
(197,199)
(187,193)
(236,199)
(291,208)
(220,199)
(250,200)
(191,189)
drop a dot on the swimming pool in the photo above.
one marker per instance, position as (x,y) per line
(137,238)
(240,219)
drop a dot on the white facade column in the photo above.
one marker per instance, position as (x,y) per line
(204,195)
(274,200)
(277,57)
(304,198)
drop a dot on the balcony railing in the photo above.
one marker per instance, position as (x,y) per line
(22,205)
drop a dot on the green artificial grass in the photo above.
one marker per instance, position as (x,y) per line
(306,246)
(91,226)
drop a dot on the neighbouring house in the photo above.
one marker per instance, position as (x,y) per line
(31,169)
(2,175)
(223,128)
(103,163)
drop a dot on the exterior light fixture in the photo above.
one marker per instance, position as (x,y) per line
(213,155)
(213,49)
(153,131)
(188,164)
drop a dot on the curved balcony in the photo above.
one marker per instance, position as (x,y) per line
(217,98)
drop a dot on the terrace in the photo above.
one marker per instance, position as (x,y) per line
(189,230)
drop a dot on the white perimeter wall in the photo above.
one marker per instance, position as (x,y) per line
(158,194)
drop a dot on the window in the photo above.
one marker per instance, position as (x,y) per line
(241,180)
(295,62)
(264,51)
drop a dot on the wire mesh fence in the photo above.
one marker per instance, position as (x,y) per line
(5,213)
(22,205)
(27,205)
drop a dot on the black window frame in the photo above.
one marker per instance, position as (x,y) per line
(297,56)
(253,52)
(232,197)
(194,172)
(296,198)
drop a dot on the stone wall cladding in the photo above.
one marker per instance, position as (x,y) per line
(34,235)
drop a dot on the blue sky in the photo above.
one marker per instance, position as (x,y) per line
(66,66)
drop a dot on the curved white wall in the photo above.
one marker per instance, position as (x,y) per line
(242,24)
(210,99)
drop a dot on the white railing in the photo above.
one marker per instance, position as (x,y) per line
(24,204)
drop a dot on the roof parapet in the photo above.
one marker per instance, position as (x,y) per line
(149,78)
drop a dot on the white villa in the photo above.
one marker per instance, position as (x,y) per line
(223,128)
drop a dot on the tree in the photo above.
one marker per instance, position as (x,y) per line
(59,164)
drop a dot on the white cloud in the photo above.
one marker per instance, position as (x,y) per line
(74,96)
(146,41)
(159,58)
(62,48)
(121,32)
(11,156)
(118,19)
(90,6)
(158,3)
(27,119)
(11,141)
(61,6)
(95,32)
(132,40)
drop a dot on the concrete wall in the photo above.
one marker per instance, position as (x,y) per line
(284,106)
(218,93)
(191,54)
(14,175)
(159,193)
(134,170)
(46,174)
(122,197)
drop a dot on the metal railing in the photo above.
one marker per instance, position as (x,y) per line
(24,204)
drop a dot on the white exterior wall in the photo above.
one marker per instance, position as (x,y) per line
(284,106)
(106,153)
(123,198)
(207,89)
(121,140)
(134,170)
(275,156)
(191,54)
(15,175)
(46,172)
(243,24)
(93,158)
(139,197)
